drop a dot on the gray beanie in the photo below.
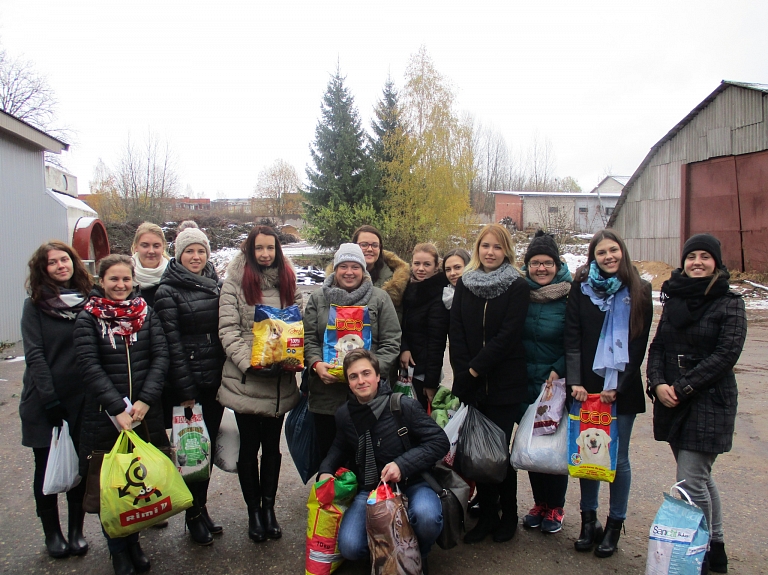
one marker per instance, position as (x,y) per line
(349,253)
(188,237)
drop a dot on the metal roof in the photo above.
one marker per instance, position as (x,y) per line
(557,194)
(21,129)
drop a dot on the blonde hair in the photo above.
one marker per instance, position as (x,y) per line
(505,239)
(150,228)
(430,249)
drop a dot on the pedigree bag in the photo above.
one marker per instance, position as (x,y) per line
(278,338)
(593,439)
(349,327)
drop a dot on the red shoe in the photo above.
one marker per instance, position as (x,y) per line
(535,516)
(553,520)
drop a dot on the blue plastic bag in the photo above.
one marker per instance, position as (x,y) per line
(678,538)
(300,436)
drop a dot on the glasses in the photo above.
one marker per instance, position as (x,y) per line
(535,265)
(366,245)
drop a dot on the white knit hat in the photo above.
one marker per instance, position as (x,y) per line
(349,253)
(188,237)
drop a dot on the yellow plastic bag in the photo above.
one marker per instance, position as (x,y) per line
(139,488)
(278,338)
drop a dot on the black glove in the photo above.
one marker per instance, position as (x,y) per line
(270,371)
(55,413)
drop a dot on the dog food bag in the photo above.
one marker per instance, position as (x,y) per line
(349,327)
(549,410)
(278,338)
(593,439)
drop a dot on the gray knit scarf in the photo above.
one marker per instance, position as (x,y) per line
(489,285)
(339,296)
(551,292)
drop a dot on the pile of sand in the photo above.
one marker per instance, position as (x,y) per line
(655,272)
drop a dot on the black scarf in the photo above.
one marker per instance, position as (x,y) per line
(364,417)
(684,298)
(64,305)
(420,292)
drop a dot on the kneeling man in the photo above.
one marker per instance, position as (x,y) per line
(366,433)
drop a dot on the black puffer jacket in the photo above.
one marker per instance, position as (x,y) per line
(136,371)
(706,386)
(583,324)
(425,327)
(429,444)
(188,307)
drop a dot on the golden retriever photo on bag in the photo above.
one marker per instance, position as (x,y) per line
(593,446)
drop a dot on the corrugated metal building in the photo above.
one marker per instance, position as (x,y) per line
(27,214)
(708,174)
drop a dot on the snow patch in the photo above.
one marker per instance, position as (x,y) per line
(574,261)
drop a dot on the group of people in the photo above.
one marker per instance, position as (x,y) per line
(166,332)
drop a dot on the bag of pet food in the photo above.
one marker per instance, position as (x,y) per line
(278,338)
(593,439)
(191,444)
(348,328)
(549,410)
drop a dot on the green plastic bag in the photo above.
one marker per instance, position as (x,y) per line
(139,487)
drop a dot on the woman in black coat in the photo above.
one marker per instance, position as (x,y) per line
(122,353)
(488,359)
(53,390)
(187,303)
(425,323)
(690,375)
(608,272)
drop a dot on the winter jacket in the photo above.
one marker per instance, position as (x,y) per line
(188,307)
(487,336)
(51,374)
(543,337)
(429,444)
(425,327)
(136,371)
(583,324)
(393,279)
(385,343)
(703,378)
(148,294)
(241,390)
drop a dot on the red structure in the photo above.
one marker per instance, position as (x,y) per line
(509,206)
(90,239)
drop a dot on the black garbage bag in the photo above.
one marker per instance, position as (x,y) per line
(482,452)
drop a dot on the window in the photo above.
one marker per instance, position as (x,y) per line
(553,209)
(583,210)
(609,211)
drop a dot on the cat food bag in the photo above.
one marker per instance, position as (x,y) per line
(278,338)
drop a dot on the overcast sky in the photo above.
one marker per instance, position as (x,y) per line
(232,86)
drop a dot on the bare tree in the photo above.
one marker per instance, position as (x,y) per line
(540,165)
(279,184)
(104,197)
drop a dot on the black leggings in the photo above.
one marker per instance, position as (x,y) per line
(325,432)
(47,502)
(258,431)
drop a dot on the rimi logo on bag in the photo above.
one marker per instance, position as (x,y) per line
(146,513)
(135,478)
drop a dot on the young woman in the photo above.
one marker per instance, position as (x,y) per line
(53,391)
(550,282)
(453,265)
(187,302)
(690,376)
(387,271)
(150,257)
(260,274)
(348,285)
(425,323)
(488,358)
(122,353)
(607,294)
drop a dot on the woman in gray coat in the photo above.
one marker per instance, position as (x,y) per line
(53,388)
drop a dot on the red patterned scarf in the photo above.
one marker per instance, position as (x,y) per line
(118,317)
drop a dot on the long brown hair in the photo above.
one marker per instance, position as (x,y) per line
(627,274)
(252,274)
(379,264)
(39,280)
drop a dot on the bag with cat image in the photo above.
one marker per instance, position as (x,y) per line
(278,338)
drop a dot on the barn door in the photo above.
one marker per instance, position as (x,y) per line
(752,179)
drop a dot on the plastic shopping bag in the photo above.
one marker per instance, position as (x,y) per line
(404,383)
(62,469)
(278,338)
(227,443)
(549,409)
(444,406)
(328,500)
(593,439)
(301,439)
(540,453)
(191,444)
(348,328)
(139,488)
(482,453)
(452,430)
(391,539)
(678,537)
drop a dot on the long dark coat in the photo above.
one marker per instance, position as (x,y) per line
(706,387)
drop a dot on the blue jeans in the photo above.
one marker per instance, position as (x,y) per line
(425,513)
(590,489)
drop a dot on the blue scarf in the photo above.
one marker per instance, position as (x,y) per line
(612,353)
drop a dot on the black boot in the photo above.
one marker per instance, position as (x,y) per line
(55,543)
(508,525)
(77,543)
(591,531)
(248,474)
(140,561)
(122,564)
(718,560)
(270,477)
(611,536)
(203,493)
(194,518)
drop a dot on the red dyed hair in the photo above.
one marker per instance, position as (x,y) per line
(252,274)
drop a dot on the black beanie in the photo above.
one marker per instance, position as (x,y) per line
(543,243)
(706,242)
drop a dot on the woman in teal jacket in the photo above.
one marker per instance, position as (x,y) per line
(550,282)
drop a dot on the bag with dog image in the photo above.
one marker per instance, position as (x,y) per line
(593,439)
(678,537)
(348,328)
(278,338)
